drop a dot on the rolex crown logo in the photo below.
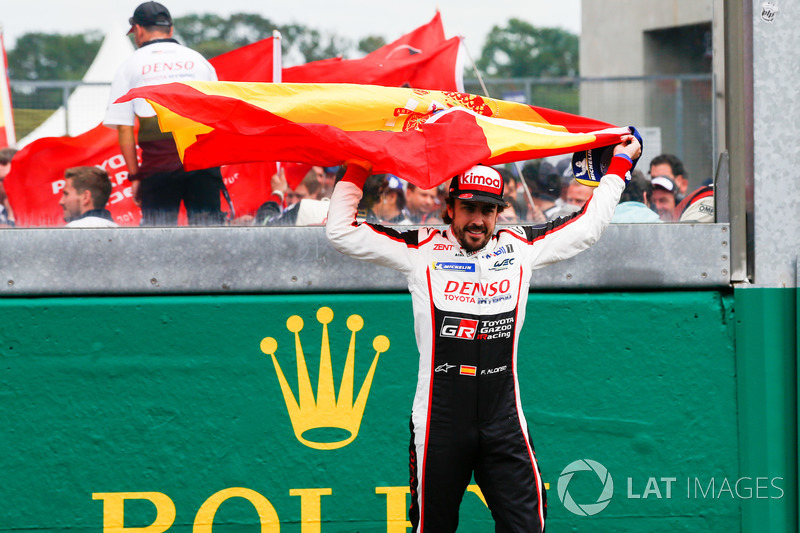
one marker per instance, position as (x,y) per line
(326,412)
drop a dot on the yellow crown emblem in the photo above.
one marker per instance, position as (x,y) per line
(325,412)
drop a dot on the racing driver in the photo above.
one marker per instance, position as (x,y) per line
(469,287)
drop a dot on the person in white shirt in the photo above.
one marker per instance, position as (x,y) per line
(160,183)
(84,198)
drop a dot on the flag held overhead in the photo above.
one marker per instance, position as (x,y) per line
(422,136)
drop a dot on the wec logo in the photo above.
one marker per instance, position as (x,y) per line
(459,328)
(503,264)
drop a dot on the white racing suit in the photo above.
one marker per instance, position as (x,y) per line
(468,313)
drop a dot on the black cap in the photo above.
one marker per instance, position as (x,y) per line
(150,14)
(478,184)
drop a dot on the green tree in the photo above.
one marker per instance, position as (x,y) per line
(371,43)
(212,35)
(44,56)
(521,50)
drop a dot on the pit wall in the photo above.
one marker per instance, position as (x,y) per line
(166,414)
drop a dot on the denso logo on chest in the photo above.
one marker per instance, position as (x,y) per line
(167,66)
(480,293)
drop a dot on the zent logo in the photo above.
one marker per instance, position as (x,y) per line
(442,247)
(459,328)
(312,417)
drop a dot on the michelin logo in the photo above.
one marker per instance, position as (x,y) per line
(458,267)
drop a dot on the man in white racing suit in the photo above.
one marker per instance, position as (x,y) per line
(469,287)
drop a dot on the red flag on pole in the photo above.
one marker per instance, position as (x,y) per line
(420,59)
(249,63)
(36,179)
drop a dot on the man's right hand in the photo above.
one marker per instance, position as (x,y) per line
(136,193)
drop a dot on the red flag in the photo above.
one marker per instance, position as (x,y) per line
(7,135)
(420,59)
(248,184)
(420,40)
(36,179)
(422,136)
(248,63)
(439,68)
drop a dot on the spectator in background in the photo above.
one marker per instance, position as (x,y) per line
(578,194)
(564,167)
(84,198)
(544,183)
(669,165)
(421,203)
(510,215)
(282,199)
(6,213)
(328,181)
(664,197)
(634,204)
(309,188)
(391,209)
(160,184)
(512,192)
(697,207)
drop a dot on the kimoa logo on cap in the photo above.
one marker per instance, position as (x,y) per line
(482,178)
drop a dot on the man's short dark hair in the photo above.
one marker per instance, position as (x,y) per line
(92,179)
(674,163)
(637,188)
(542,179)
(6,154)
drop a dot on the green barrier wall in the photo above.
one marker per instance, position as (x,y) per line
(766,338)
(153,414)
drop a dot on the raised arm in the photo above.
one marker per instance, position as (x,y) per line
(368,242)
(566,237)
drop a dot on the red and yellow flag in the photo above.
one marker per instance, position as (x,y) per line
(422,136)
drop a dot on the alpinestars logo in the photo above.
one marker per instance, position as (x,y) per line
(459,328)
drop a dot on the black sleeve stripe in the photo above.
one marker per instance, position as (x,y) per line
(410,238)
(534,233)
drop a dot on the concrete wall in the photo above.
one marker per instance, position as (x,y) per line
(612,31)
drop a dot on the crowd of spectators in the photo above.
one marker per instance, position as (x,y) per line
(536,192)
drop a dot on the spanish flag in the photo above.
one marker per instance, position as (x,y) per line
(420,135)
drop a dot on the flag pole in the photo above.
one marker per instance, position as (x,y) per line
(486,93)
(9,137)
(277,71)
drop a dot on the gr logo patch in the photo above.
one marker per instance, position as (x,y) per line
(459,328)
